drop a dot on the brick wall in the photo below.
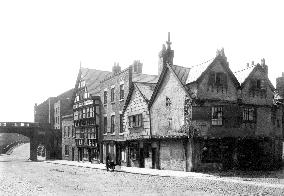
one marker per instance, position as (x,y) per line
(68,139)
(115,107)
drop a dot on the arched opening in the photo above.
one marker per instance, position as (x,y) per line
(41,152)
(9,141)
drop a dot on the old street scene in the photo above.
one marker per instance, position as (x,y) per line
(104,100)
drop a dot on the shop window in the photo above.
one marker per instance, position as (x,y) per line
(217,115)
(133,153)
(211,153)
(249,114)
(123,155)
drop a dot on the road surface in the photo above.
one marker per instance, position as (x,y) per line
(18,176)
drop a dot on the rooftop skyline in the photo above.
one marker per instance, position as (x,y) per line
(43,43)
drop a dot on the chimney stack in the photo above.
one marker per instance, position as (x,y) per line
(116,68)
(166,55)
(264,66)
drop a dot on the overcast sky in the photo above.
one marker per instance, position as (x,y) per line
(43,42)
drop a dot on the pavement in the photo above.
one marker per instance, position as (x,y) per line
(166,173)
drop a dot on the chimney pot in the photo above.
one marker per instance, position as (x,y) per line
(252,63)
(247,64)
(282,74)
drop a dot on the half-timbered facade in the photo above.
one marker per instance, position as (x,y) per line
(86,113)
(137,130)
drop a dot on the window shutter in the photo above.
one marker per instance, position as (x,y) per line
(201,113)
(232,116)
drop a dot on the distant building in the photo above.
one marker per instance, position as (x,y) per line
(62,106)
(69,150)
(43,113)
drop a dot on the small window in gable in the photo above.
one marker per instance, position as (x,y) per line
(218,79)
(168,102)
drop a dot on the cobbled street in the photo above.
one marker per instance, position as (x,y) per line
(18,176)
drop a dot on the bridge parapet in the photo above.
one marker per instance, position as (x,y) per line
(19,124)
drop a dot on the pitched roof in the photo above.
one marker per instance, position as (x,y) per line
(257,67)
(192,74)
(145,78)
(242,74)
(66,95)
(182,73)
(196,71)
(92,78)
(146,89)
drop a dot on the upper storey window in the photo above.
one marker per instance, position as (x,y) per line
(217,115)
(77,98)
(121,91)
(105,97)
(82,84)
(218,79)
(257,87)
(112,94)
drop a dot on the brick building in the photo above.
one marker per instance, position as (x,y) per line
(87,112)
(43,113)
(114,90)
(69,151)
(215,122)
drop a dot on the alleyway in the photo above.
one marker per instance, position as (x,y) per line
(21,177)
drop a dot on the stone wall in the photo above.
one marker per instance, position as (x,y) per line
(172,155)
(167,120)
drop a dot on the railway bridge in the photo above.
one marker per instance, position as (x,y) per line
(38,133)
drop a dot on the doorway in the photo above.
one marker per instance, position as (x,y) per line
(154,158)
(73,153)
(80,154)
(141,158)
